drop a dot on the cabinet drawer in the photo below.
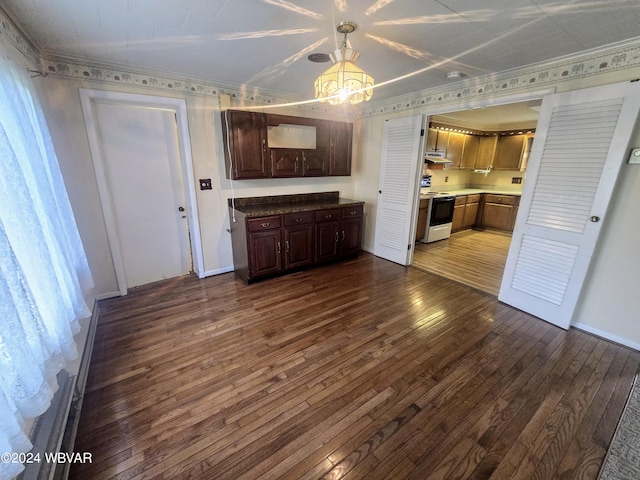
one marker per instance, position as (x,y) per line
(264,223)
(300,218)
(328,215)
(475,198)
(461,199)
(352,212)
(502,199)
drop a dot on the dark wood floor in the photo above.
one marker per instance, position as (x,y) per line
(358,370)
(472,257)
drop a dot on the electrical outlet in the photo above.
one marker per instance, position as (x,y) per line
(205,184)
(516,180)
(446,179)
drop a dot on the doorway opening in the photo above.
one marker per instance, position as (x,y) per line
(138,142)
(487,198)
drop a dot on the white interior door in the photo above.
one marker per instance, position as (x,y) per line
(581,140)
(399,166)
(141,159)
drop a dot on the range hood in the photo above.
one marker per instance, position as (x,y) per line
(436,157)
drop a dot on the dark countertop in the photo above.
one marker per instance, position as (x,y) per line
(283,204)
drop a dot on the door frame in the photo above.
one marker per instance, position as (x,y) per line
(176,105)
(466,105)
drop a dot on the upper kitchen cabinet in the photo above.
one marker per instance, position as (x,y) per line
(259,145)
(470,152)
(455,148)
(245,140)
(486,151)
(340,153)
(512,151)
(437,140)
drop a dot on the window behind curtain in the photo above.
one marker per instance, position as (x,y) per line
(43,268)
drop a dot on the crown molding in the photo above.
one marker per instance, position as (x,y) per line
(607,59)
(10,32)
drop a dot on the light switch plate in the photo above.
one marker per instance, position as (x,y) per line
(635,156)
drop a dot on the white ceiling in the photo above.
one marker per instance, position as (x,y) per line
(406,45)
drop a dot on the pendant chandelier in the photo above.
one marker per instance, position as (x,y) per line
(344,81)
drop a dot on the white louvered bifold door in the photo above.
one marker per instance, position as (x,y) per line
(399,165)
(580,144)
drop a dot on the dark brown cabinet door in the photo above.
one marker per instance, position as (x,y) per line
(286,162)
(340,154)
(351,236)
(246,139)
(265,251)
(327,241)
(328,234)
(298,246)
(316,163)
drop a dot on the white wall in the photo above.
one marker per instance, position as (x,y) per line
(610,301)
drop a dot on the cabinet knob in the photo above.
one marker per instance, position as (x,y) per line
(279,247)
(328,216)
(264,225)
(337,237)
(352,212)
(298,220)
(595,219)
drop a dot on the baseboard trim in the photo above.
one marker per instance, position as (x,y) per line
(105,296)
(217,271)
(606,335)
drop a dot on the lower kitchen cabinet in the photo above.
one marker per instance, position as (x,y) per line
(351,235)
(265,246)
(270,245)
(422,218)
(465,212)
(328,234)
(458,213)
(499,211)
(471,210)
(298,240)
(338,232)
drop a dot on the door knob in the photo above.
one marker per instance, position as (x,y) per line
(181,209)
(595,219)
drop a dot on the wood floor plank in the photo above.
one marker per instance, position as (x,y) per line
(357,370)
(472,257)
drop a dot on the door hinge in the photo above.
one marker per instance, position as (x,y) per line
(422,132)
(409,247)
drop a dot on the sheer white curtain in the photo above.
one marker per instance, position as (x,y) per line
(43,268)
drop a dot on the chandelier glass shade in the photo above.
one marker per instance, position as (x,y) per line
(344,81)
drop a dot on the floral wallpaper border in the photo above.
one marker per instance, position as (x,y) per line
(9,31)
(621,56)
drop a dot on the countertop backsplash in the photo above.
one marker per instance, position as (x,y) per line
(457,180)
